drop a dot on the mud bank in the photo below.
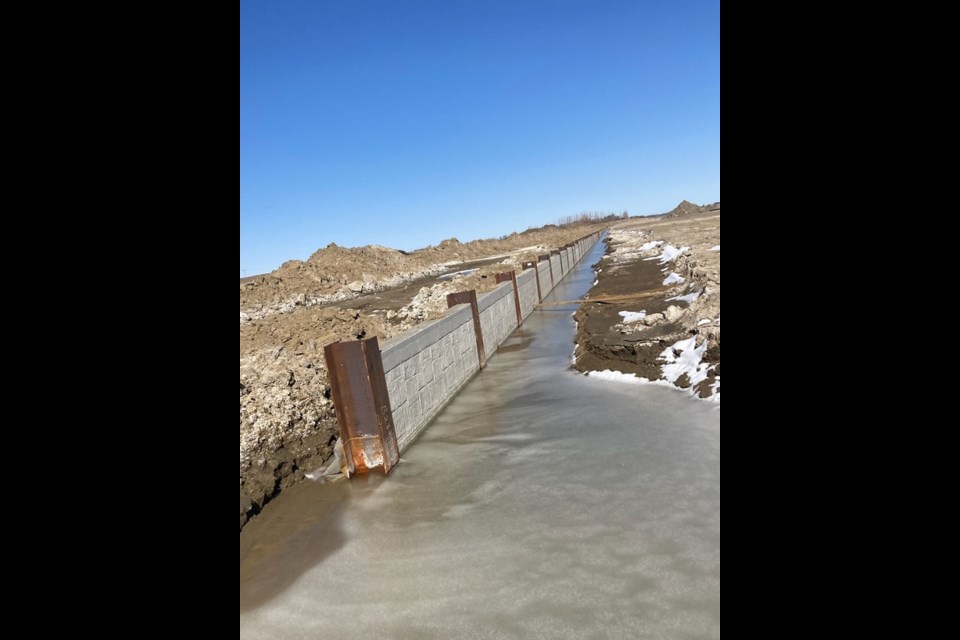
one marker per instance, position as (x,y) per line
(654,310)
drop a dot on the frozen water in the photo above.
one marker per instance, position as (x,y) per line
(540,503)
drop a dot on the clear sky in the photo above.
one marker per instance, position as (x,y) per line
(404,122)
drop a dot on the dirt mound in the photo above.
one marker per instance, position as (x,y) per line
(685,208)
(336,274)
(330,274)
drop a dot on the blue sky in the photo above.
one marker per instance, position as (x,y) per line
(402,123)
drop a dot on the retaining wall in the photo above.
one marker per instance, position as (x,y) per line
(555,266)
(426,366)
(527,286)
(546,284)
(498,316)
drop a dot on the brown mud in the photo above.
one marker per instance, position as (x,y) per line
(630,279)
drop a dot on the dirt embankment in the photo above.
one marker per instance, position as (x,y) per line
(339,274)
(657,308)
(287,420)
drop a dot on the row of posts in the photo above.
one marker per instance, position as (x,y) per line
(358,383)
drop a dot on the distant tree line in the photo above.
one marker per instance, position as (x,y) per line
(586,217)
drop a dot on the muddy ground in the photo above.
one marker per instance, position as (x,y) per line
(634,278)
(337,274)
(287,420)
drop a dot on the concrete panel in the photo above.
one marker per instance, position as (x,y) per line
(426,366)
(498,319)
(546,285)
(527,286)
(555,265)
(409,344)
(487,299)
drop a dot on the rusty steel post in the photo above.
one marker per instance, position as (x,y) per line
(470,297)
(359,391)
(536,274)
(511,276)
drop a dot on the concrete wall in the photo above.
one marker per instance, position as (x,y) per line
(557,273)
(426,366)
(527,286)
(546,284)
(498,316)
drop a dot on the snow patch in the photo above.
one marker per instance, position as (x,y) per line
(669,254)
(715,396)
(716,248)
(617,376)
(633,316)
(673,277)
(632,378)
(687,362)
(690,297)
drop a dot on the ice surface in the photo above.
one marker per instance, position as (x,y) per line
(541,503)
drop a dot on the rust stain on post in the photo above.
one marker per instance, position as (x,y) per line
(470,297)
(536,274)
(358,387)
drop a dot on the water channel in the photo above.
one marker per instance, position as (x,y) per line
(540,503)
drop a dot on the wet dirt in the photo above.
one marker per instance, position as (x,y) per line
(637,280)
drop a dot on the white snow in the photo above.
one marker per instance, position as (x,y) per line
(673,277)
(715,396)
(595,283)
(704,321)
(632,378)
(688,362)
(669,254)
(650,245)
(617,376)
(690,297)
(716,248)
(633,316)
(683,357)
